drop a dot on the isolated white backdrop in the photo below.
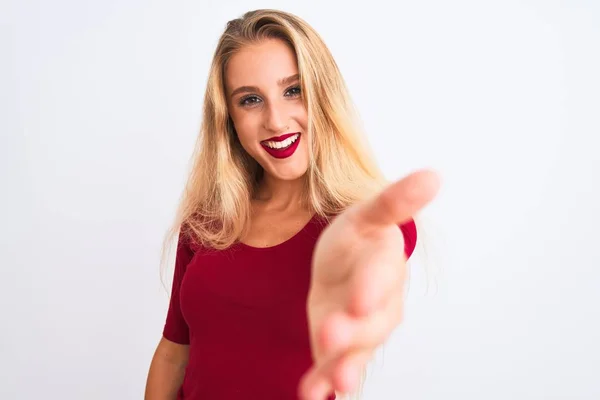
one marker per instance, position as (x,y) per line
(100,106)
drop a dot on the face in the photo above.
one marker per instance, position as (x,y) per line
(265,105)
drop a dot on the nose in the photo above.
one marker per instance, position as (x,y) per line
(275,119)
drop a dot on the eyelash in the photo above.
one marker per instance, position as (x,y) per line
(244,99)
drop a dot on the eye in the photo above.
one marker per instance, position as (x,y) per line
(293,91)
(249,101)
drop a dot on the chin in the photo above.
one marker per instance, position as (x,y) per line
(286,174)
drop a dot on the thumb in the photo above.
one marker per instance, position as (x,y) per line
(400,201)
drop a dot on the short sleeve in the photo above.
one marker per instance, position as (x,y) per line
(176,328)
(409,231)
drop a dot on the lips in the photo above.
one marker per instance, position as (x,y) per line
(280,138)
(285,152)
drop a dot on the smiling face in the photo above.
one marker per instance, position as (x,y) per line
(265,104)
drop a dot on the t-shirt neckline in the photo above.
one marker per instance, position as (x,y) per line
(284,243)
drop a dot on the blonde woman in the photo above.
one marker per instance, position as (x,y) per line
(290,262)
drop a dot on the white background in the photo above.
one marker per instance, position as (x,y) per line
(100,103)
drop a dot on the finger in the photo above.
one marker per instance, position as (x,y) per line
(374,289)
(344,372)
(336,335)
(314,386)
(346,333)
(400,201)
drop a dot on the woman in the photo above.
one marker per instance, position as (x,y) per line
(289,265)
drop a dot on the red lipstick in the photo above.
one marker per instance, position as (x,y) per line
(280,138)
(284,152)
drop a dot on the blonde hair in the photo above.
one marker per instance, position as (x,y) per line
(216,203)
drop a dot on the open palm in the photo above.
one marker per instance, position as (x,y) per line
(358,274)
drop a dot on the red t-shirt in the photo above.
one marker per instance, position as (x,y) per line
(243,313)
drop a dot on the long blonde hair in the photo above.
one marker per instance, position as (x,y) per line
(216,203)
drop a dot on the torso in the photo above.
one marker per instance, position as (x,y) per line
(243,310)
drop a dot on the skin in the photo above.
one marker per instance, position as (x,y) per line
(167,370)
(356,295)
(358,275)
(272,107)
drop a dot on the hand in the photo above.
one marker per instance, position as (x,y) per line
(356,293)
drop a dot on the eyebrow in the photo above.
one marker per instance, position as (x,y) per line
(281,82)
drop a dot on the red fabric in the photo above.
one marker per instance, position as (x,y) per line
(243,313)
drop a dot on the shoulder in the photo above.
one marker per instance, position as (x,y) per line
(409,231)
(188,243)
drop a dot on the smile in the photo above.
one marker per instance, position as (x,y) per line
(283,146)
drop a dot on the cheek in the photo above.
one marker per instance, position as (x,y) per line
(302,117)
(246,128)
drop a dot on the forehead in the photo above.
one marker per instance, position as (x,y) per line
(261,64)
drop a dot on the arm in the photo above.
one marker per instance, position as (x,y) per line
(166,370)
(170,359)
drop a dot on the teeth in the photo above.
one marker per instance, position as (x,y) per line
(282,145)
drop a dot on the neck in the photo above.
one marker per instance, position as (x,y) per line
(281,195)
